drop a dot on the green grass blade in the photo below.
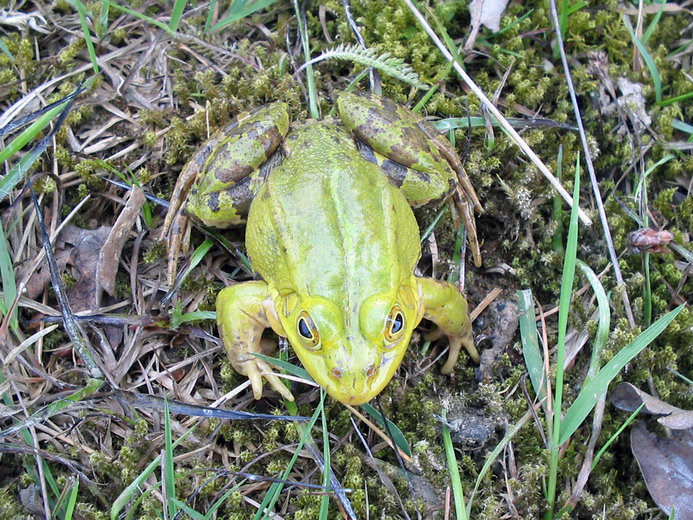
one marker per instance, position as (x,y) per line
(72,501)
(276,488)
(210,15)
(681,126)
(562,23)
(241,9)
(676,99)
(654,72)
(177,14)
(453,471)
(30,133)
(141,16)
(397,435)
(591,391)
(19,170)
(211,513)
(134,487)
(179,506)
(507,28)
(326,477)
(285,366)
(653,23)
(169,472)
(7,52)
(530,343)
(618,432)
(102,24)
(82,13)
(9,283)
(195,260)
(493,456)
(604,320)
(568,278)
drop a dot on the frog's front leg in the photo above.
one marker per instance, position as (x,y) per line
(445,306)
(243,313)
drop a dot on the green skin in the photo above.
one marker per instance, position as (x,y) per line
(334,239)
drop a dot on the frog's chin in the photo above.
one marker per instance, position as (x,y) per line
(356,387)
(353,398)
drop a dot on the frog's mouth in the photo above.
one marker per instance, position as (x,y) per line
(359,383)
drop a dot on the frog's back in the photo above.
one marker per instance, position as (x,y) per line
(329,223)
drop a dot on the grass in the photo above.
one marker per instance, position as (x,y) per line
(156,100)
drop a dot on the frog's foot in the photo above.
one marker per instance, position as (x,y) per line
(445,306)
(255,369)
(178,242)
(176,229)
(466,340)
(461,207)
(242,316)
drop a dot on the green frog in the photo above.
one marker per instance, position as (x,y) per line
(330,230)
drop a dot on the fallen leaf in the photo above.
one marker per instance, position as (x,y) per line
(628,398)
(109,257)
(667,466)
(487,13)
(85,259)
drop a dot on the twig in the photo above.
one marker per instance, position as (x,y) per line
(590,168)
(495,112)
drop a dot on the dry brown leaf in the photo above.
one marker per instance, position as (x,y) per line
(667,466)
(85,258)
(109,256)
(487,13)
(627,397)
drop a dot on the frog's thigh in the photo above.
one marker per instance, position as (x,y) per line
(419,188)
(234,164)
(445,306)
(242,318)
(229,206)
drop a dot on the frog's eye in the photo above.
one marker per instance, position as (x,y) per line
(307,331)
(394,325)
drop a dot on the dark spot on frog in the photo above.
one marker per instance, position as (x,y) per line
(213,202)
(241,195)
(341,158)
(366,152)
(395,172)
(307,144)
(383,114)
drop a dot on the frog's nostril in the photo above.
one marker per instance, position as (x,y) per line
(371,371)
(336,373)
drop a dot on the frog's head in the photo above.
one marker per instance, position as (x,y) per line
(352,353)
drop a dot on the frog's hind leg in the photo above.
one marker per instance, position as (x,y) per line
(225,174)
(413,154)
(229,206)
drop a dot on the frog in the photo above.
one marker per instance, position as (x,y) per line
(333,240)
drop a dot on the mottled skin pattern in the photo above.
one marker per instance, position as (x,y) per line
(334,240)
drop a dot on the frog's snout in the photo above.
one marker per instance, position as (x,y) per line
(360,382)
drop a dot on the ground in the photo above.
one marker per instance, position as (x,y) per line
(159,94)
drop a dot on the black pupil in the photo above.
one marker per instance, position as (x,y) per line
(303,329)
(397,323)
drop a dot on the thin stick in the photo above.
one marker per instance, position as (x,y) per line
(590,169)
(499,117)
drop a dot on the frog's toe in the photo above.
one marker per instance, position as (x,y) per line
(256,370)
(466,340)
(463,208)
(178,240)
